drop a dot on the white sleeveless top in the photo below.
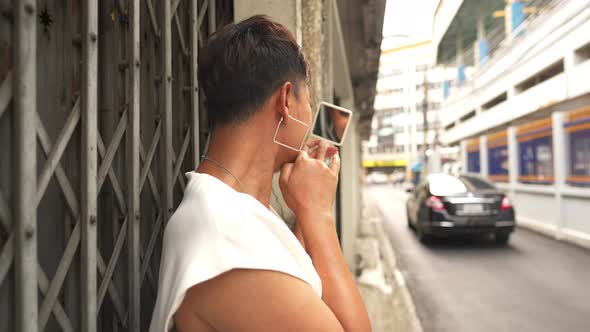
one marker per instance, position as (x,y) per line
(216,229)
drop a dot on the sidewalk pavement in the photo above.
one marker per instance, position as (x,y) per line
(380,283)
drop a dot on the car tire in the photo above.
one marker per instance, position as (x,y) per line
(422,236)
(502,238)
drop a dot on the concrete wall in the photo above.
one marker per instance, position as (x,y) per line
(287,12)
(558,210)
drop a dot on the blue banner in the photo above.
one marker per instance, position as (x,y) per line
(460,74)
(536,160)
(473,162)
(498,160)
(484,50)
(517,9)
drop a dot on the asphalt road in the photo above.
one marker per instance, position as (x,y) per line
(532,284)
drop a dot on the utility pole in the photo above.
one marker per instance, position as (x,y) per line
(425,119)
(391,116)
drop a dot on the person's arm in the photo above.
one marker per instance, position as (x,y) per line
(339,289)
(309,188)
(254,300)
(299,235)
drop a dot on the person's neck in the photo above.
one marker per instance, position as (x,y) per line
(247,155)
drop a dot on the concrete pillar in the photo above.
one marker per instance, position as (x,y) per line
(569,62)
(512,159)
(312,41)
(463,156)
(483,156)
(559,168)
(350,191)
(328,52)
(286,12)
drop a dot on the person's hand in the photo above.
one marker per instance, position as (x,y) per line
(309,185)
(315,147)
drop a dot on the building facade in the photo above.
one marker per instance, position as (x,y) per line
(410,90)
(522,117)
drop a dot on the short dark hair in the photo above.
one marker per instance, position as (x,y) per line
(243,63)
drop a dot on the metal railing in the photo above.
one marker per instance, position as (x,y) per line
(99,114)
(498,43)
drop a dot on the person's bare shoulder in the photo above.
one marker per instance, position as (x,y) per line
(254,300)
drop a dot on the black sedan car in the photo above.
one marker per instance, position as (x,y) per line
(444,205)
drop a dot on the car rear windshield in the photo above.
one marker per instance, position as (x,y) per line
(446,185)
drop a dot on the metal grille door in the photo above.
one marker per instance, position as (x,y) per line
(100,117)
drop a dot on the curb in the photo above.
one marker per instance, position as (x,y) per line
(568,236)
(393,310)
(412,321)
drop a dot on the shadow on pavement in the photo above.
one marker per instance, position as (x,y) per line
(470,243)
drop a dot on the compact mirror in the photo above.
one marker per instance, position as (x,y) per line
(331,123)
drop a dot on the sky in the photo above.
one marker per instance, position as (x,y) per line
(411,18)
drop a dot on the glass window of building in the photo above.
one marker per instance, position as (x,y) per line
(498,156)
(535,145)
(577,127)
(473,161)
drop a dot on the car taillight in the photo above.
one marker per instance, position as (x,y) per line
(506,204)
(435,203)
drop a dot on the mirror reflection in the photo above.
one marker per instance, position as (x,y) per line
(331,123)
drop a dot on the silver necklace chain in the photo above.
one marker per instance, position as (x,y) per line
(223,167)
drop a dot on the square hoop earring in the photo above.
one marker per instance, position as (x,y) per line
(286,145)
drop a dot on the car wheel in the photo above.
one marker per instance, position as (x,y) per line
(502,238)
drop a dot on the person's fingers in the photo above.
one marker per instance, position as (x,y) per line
(285,173)
(311,147)
(313,143)
(331,151)
(313,152)
(335,166)
(302,155)
(323,147)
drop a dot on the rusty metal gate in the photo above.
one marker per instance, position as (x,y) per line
(100,116)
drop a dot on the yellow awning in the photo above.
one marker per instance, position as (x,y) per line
(385,163)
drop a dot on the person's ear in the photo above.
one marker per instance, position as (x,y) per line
(283,100)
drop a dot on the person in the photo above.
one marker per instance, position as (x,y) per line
(228,262)
(331,123)
(340,120)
